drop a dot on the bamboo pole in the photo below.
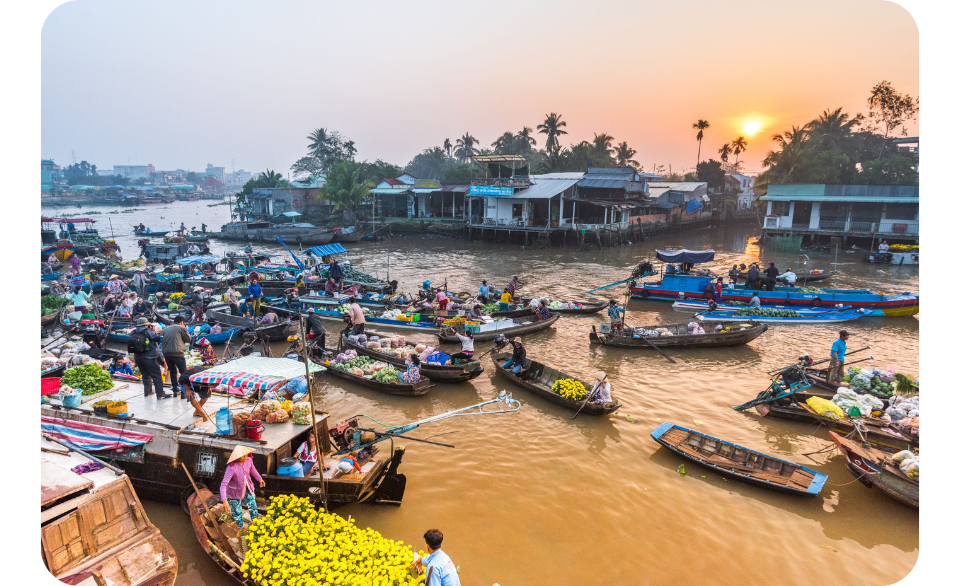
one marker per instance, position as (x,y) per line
(313,409)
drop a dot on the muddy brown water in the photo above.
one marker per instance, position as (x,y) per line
(537,498)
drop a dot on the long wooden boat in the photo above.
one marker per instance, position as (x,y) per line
(874,467)
(584,308)
(438,373)
(812,277)
(735,461)
(735,336)
(426,326)
(275,332)
(521,326)
(219,540)
(875,431)
(53,371)
(539,378)
(514,311)
(817,318)
(405,389)
(790,412)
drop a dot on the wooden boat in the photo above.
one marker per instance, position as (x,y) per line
(49,319)
(875,431)
(219,540)
(735,336)
(426,326)
(790,411)
(734,461)
(53,371)
(539,379)
(520,326)
(275,332)
(438,373)
(873,466)
(93,528)
(584,308)
(406,389)
(813,277)
(817,318)
(514,311)
(198,236)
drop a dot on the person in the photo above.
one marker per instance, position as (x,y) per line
(307,454)
(126,306)
(255,294)
(120,366)
(734,273)
(884,247)
(214,327)
(356,317)
(466,346)
(336,273)
(437,564)
(145,345)
(542,312)
(474,313)
(601,390)
(513,285)
(755,300)
(193,249)
(753,277)
(233,299)
(203,228)
(519,358)
(484,293)
(837,353)
(75,266)
(718,290)
(174,342)
(80,298)
(114,285)
(196,303)
(789,277)
(207,354)
(505,300)
(109,305)
(269,318)
(196,393)
(442,300)
(412,375)
(295,386)
(141,282)
(348,464)
(248,250)
(330,287)
(300,283)
(615,313)
(245,309)
(237,488)
(771,276)
(139,306)
(141,227)
(315,328)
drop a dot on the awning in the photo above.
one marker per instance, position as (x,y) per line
(693,205)
(425,189)
(198,260)
(545,188)
(92,438)
(291,214)
(606,203)
(327,249)
(391,191)
(705,198)
(685,256)
(254,372)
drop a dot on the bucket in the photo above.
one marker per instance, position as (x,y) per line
(72,400)
(290,467)
(49,386)
(254,429)
(117,410)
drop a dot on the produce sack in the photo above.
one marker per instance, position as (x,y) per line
(895,414)
(287,406)
(373,345)
(270,406)
(825,408)
(420,348)
(356,371)
(903,455)
(911,468)
(278,416)
(301,413)
(426,353)
(844,393)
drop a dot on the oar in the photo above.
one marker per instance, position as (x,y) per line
(233,331)
(652,345)
(585,401)
(848,354)
(213,520)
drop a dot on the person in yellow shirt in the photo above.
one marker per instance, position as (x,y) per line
(505,300)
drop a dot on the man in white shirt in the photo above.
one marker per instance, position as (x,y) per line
(884,247)
(789,277)
(437,564)
(193,250)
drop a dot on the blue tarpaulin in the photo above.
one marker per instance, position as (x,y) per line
(197,260)
(685,256)
(326,249)
(694,205)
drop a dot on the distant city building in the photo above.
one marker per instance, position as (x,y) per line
(909,146)
(50,174)
(238,177)
(213,187)
(218,173)
(134,172)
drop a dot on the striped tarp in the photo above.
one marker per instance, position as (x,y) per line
(89,437)
(243,380)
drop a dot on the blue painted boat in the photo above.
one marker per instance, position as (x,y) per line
(734,461)
(701,306)
(810,318)
(50,277)
(221,338)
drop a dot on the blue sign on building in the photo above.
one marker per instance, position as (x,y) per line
(491,190)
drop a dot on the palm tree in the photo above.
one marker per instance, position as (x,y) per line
(833,130)
(506,144)
(436,160)
(447,146)
(700,126)
(724,152)
(525,140)
(784,166)
(271,179)
(464,148)
(318,141)
(345,187)
(739,146)
(602,145)
(553,128)
(624,155)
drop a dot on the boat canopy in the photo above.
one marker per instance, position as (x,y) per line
(326,249)
(254,372)
(160,229)
(685,256)
(198,260)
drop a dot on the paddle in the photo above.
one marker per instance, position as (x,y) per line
(585,401)
(213,520)
(652,345)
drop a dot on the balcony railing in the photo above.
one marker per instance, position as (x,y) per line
(517,181)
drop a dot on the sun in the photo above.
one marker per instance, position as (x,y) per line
(751,127)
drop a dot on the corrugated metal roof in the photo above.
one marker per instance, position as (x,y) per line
(604,183)
(628,171)
(843,192)
(544,188)
(677,185)
(391,190)
(327,249)
(834,198)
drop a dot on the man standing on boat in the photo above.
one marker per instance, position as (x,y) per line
(753,277)
(140,281)
(315,328)
(437,564)
(484,293)
(789,277)
(233,299)
(144,344)
(771,276)
(837,353)
(513,285)
(255,294)
(356,317)
(174,342)
(336,273)
(615,313)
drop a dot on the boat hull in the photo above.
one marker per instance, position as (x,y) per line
(584,408)
(873,470)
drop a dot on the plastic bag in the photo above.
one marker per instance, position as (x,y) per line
(895,413)
(825,408)
(911,468)
(270,406)
(903,455)
(278,416)
(301,413)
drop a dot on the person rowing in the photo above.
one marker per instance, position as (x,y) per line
(600,394)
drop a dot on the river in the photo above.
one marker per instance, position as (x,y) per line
(535,497)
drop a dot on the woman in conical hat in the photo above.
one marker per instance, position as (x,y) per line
(237,488)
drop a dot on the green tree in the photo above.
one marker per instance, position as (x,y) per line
(892,170)
(553,127)
(890,109)
(318,141)
(325,149)
(192,177)
(690,176)
(429,164)
(458,174)
(379,170)
(624,156)
(712,172)
(739,145)
(525,141)
(700,126)
(346,186)
(603,147)
(784,166)
(506,144)
(464,148)
(447,146)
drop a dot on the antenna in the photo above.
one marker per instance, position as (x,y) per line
(73,154)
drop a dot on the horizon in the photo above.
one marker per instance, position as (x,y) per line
(195,84)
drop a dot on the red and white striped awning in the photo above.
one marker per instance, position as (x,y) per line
(242,380)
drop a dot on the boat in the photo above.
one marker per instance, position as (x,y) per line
(735,335)
(332,313)
(785,409)
(50,276)
(53,371)
(812,318)
(85,239)
(275,332)
(874,430)
(302,233)
(154,231)
(874,468)
(539,378)
(584,308)
(49,319)
(744,464)
(218,539)
(514,311)
(507,327)
(699,306)
(93,528)
(674,285)
(814,276)
(405,389)
(161,437)
(198,236)
(438,373)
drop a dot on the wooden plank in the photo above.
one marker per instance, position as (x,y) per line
(57,482)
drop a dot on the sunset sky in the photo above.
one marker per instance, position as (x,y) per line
(180,84)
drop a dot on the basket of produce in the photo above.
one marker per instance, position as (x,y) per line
(100,407)
(117,407)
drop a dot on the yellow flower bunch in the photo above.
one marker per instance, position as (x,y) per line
(904,248)
(176,297)
(296,544)
(569,388)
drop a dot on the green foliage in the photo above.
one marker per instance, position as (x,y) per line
(712,172)
(51,304)
(553,127)
(891,170)
(432,163)
(347,185)
(91,378)
(691,176)
(458,174)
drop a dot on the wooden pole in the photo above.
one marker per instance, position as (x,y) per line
(313,409)
(216,524)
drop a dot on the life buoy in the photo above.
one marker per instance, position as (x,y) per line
(817,302)
(644,293)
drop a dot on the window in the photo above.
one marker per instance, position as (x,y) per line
(902,211)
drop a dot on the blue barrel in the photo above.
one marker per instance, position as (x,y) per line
(290,467)
(224,421)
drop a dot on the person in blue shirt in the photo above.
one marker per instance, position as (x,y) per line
(837,354)
(615,313)
(255,292)
(484,295)
(294,387)
(120,366)
(437,565)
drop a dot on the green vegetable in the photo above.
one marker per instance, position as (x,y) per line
(51,304)
(385,375)
(91,378)
(767,312)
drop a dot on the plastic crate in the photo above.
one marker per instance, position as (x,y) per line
(49,386)
(438,358)
(472,328)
